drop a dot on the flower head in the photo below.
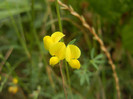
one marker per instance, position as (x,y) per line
(72,54)
(13,89)
(56,49)
(59,51)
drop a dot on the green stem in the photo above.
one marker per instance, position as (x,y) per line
(58,15)
(61,30)
(33,30)
(21,27)
(32,9)
(68,77)
(63,81)
(19,37)
(18,34)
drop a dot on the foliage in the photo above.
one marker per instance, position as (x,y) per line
(24,23)
(127,36)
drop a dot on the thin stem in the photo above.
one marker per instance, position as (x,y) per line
(5,58)
(19,37)
(58,14)
(33,30)
(50,15)
(67,71)
(18,34)
(63,80)
(32,7)
(60,28)
(68,78)
(21,27)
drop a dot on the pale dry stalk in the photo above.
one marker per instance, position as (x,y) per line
(5,58)
(103,48)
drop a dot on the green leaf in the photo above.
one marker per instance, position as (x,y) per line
(94,64)
(100,56)
(82,80)
(87,79)
(92,54)
(72,42)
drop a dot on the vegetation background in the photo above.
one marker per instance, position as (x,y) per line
(24,23)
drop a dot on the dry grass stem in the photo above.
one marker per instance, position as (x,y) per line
(103,48)
(5,58)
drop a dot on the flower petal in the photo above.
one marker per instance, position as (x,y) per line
(72,52)
(48,42)
(53,60)
(56,36)
(74,63)
(58,49)
(13,89)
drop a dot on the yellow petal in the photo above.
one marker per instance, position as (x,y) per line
(56,36)
(74,63)
(13,89)
(53,61)
(72,52)
(58,50)
(15,80)
(48,42)
(10,89)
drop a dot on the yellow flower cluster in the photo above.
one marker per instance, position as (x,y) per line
(60,51)
(14,88)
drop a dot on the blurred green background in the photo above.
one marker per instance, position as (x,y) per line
(24,23)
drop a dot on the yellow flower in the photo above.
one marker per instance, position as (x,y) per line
(15,80)
(58,52)
(49,41)
(13,89)
(72,54)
